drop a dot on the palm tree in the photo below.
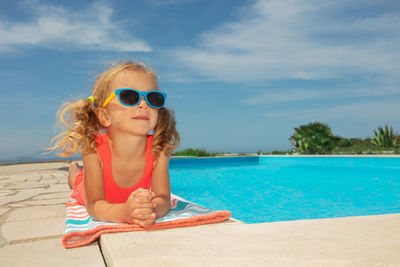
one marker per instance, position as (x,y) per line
(313,138)
(384,137)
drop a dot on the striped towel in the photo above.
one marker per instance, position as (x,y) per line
(81,229)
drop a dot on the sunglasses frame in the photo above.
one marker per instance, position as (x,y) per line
(141,93)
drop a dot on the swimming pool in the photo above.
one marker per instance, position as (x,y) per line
(267,189)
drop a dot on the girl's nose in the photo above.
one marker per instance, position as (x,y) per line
(142,103)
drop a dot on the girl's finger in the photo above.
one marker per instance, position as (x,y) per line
(147,223)
(138,222)
(141,192)
(137,191)
(142,199)
(139,205)
(144,193)
(143,211)
(143,223)
(144,215)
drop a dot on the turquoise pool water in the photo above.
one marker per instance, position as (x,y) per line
(267,189)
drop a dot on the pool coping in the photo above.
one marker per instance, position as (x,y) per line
(232,156)
(349,241)
(336,156)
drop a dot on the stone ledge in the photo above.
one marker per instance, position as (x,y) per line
(352,241)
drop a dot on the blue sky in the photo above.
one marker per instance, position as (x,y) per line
(240,75)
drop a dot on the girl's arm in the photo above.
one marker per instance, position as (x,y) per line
(160,186)
(98,208)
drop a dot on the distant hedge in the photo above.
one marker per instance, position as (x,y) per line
(196,152)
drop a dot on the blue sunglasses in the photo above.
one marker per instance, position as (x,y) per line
(131,97)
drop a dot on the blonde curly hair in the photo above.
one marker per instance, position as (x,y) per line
(81,125)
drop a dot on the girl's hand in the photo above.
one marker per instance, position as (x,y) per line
(140,209)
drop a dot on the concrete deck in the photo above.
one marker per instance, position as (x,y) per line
(32,198)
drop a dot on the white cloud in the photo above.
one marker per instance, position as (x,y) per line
(298,39)
(373,111)
(357,119)
(295,95)
(55,27)
(284,96)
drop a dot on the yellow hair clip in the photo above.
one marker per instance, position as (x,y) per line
(91,98)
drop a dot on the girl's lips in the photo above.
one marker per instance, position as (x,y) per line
(141,118)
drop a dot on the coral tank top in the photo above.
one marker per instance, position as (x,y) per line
(113,192)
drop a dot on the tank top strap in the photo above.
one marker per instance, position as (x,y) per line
(104,151)
(149,156)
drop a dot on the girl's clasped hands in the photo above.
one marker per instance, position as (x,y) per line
(140,208)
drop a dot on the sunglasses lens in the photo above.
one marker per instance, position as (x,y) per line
(156,99)
(129,98)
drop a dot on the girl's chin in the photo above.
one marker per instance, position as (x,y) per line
(136,129)
(142,132)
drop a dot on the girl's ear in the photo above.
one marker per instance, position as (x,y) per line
(103,117)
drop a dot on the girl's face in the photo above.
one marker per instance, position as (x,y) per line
(139,119)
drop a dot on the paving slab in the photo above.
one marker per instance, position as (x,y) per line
(32,213)
(31,167)
(6,192)
(351,241)
(50,253)
(59,195)
(59,188)
(42,202)
(22,195)
(25,185)
(31,229)
(4,210)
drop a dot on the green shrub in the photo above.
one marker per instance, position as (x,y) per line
(385,137)
(313,138)
(280,152)
(195,152)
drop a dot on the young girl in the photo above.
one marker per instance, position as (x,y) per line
(125,176)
